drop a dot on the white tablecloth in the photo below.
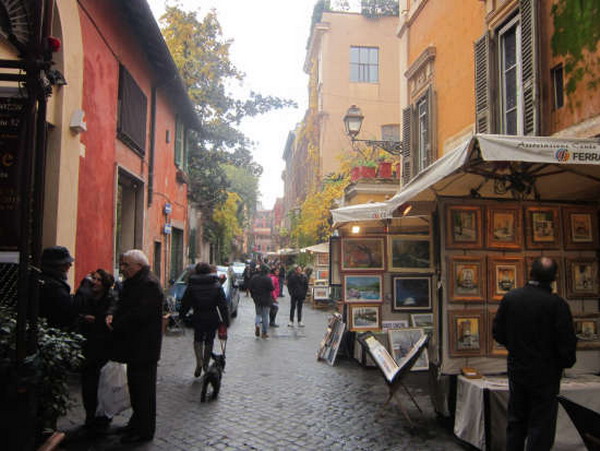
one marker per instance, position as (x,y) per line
(469,423)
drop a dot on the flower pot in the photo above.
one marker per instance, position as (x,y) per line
(355,173)
(385,170)
(367,172)
(397,170)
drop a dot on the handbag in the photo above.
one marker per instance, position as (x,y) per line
(113,391)
(222,328)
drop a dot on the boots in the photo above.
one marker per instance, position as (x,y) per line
(207,356)
(199,351)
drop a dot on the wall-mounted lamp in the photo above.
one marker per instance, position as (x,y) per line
(77,124)
(353,120)
(355,229)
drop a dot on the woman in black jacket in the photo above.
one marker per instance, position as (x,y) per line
(205,296)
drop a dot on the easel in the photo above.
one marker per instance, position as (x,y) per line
(393,373)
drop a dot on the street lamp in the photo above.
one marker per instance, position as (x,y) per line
(353,120)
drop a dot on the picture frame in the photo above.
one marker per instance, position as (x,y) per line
(466,333)
(363,288)
(423,321)
(504,227)
(320,293)
(558,286)
(411,292)
(410,253)
(328,348)
(587,330)
(402,341)
(580,227)
(493,347)
(364,317)
(322,274)
(582,278)
(467,279)
(335,261)
(504,274)
(362,254)
(397,324)
(322,259)
(464,227)
(542,228)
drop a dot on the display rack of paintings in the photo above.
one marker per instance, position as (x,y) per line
(494,348)
(587,330)
(366,254)
(466,333)
(581,227)
(504,274)
(467,278)
(411,292)
(542,228)
(322,259)
(582,278)
(330,344)
(402,341)
(463,227)
(558,285)
(364,317)
(409,253)
(504,227)
(363,288)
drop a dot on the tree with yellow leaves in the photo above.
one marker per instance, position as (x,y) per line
(227,224)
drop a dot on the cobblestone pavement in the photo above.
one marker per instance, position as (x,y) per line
(275,395)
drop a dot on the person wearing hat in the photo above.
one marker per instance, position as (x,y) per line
(56,302)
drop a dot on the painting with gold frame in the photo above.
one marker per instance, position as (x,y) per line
(504,274)
(582,278)
(362,254)
(467,278)
(463,227)
(410,253)
(587,330)
(581,227)
(504,227)
(466,333)
(493,347)
(543,227)
(364,317)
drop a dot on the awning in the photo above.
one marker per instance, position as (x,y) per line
(543,168)
(318,248)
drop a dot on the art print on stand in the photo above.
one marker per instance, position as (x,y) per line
(463,225)
(364,317)
(402,341)
(467,279)
(581,228)
(362,254)
(320,293)
(409,253)
(467,333)
(505,273)
(363,288)
(504,227)
(542,227)
(582,278)
(411,293)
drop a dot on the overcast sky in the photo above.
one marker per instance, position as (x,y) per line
(269,47)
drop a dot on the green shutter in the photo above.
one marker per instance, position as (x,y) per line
(179,143)
(529,69)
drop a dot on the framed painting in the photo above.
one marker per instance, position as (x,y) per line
(397,324)
(321,274)
(494,348)
(463,227)
(402,341)
(542,228)
(582,278)
(364,317)
(581,227)
(362,254)
(363,288)
(409,253)
(504,227)
(587,330)
(423,321)
(558,285)
(466,333)
(504,274)
(320,293)
(467,279)
(322,259)
(411,292)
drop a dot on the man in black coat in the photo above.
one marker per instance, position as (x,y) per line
(137,333)
(297,287)
(261,288)
(56,302)
(536,327)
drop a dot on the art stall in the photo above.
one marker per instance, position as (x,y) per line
(439,255)
(319,291)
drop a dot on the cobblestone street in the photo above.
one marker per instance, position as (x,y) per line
(275,395)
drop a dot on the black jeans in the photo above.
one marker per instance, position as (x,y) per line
(90,376)
(296,303)
(532,409)
(141,378)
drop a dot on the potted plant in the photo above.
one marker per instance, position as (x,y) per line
(384,170)
(368,168)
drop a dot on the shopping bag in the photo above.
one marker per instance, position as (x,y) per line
(113,392)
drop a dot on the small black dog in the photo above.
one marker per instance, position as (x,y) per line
(213,376)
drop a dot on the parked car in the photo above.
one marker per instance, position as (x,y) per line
(179,285)
(238,269)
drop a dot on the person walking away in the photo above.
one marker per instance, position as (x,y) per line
(94,299)
(137,336)
(204,294)
(536,327)
(261,288)
(247,275)
(274,295)
(56,302)
(281,279)
(297,287)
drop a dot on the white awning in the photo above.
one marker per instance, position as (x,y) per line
(318,248)
(563,169)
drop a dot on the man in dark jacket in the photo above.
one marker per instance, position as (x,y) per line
(137,333)
(536,327)
(261,287)
(297,287)
(56,302)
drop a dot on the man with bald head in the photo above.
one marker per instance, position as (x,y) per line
(536,327)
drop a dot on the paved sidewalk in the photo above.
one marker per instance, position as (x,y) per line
(275,395)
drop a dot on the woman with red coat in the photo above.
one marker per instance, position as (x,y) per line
(274,294)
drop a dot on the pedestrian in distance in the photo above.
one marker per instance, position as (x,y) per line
(204,294)
(261,288)
(297,287)
(56,303)
(247,275)
(137,337)
(94,300)
(281,279)
(274,275)
(536,327)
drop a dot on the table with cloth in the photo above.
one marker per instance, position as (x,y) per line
(481,406)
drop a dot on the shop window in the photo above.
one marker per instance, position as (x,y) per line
(364,64)
(132,112)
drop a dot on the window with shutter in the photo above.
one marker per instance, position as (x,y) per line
(529,65)
(482,85)
(423,123)
(132,113)
(179,143)
(406,142)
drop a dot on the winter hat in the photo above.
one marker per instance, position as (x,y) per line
(56,256)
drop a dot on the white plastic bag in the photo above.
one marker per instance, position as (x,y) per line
(113,393)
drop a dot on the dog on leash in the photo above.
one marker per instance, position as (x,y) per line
(213,377)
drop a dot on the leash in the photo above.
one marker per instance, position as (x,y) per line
(222,332)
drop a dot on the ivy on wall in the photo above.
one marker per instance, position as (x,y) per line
(576,36)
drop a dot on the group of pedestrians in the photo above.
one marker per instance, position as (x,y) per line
(265,286)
